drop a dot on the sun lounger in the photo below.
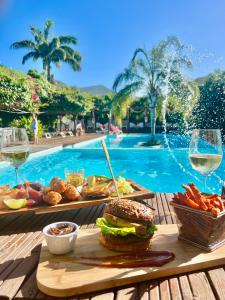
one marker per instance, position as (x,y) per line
(47,135)
(62,134)
(140,125)
(132,125)
(70,133)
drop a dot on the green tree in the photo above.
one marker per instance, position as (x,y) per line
(50,50)
(68,100)
(209,110)
(153,73)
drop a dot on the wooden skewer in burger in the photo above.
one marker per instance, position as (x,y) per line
(126,225)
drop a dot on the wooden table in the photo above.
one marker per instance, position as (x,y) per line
(20,238)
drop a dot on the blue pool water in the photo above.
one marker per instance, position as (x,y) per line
(161,170)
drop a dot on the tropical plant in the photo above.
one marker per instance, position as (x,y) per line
(25,122)
(20,92)
(153,73)
(120,104)
(209,110)
(50,50)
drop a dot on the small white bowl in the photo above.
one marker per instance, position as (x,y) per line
(60,244)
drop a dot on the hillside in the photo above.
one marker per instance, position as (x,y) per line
(201,80)
(96,90)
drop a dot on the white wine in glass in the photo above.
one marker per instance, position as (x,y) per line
(15,147)
(205,151)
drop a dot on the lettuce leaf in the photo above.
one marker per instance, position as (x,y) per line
(107,228)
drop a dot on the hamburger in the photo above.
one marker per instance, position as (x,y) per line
(126,225)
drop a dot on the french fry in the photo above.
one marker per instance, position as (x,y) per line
(189,192)
(218,203)
(182,198)
(193,198)
(210,196)
(215,211)
(192,203)
(186,200)
(198,197)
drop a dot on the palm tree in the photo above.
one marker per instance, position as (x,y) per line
(50,50)
(152,73)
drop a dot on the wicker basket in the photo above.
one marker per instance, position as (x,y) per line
(200,228)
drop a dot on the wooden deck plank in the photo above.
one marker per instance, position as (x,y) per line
(17,256)
(97,213)
(169,197)
(166,209)
(164,290)
(29,289)
(143,291)
(13,283)
(130,293)
(162,217)
(89,217)
(154,291)
(185,288)
(200,286)
(175,289)
(155,206)
(106,296)
(217,280)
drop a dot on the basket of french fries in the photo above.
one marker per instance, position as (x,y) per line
(200,218)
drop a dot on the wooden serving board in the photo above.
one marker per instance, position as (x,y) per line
(61,276)
(138,194)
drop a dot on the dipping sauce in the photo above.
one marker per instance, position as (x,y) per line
(130,260)
(61,229)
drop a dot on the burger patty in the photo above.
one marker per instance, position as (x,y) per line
(130,238)
(130,210)
(124,244)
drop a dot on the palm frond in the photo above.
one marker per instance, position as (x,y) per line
(33,54)
(128,75)
(37,34)
(140,63)
(130,89)
(68,39)
(75,65)
(23,44)
(57,55)
(71,52)
(140,51)
(55,43)
(47,27)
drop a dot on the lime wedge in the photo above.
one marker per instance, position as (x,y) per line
(91,181)
(15,203)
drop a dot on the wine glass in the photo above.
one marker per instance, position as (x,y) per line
(205,151)
(15,147)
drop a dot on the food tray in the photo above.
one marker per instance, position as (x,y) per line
(138,194)
(62,276)
(200,228)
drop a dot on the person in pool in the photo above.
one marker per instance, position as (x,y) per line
(34,128)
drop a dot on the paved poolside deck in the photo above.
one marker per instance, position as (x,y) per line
(45,144)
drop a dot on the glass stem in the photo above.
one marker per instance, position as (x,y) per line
(204,183)
(17,174)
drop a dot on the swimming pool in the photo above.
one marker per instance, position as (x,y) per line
(160,170)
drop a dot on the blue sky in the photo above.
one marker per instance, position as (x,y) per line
(110,30)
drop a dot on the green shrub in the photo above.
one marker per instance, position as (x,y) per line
(25,122)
